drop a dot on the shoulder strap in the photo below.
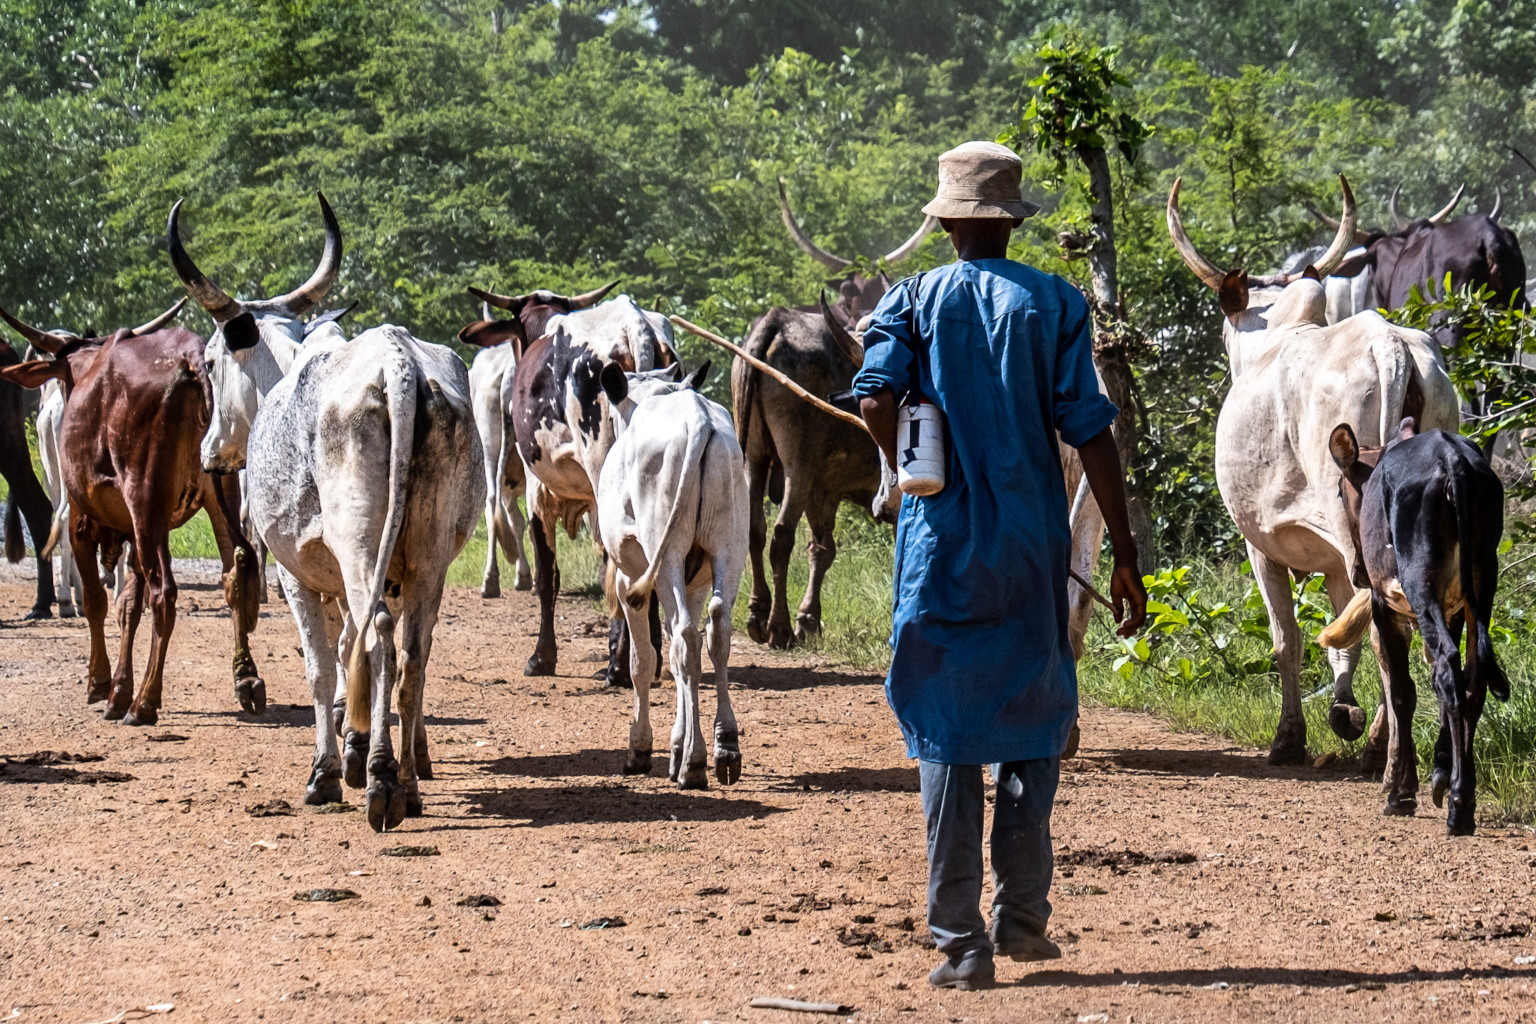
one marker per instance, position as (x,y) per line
(915,285)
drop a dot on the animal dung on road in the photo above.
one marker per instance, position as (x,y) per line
(270,809)
(325,895)
(601,923)
(410,851)
(480,900)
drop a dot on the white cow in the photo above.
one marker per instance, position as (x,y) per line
(672,498)
(50,425)
(505,476)
(366,482)
(1295,378)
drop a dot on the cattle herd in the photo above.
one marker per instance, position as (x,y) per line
(361,464)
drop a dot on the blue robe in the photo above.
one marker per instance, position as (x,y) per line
(981,666)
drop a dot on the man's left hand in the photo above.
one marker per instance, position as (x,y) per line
(1130,599)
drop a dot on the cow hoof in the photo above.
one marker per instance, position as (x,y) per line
(354,760)
(423,768)
(807,626)
(638,763)
(490,590)
(695,776)
(1347,721)
(116,710)
(727,767)
(781,640)
(1460,823)
(524,583)
(143,716)
(339,719)
(323,791)
(412,805)
(1286,753)
(66,613)
(386,805)
(37,613)
(1439,785)
(1373,761)
(251,692)
(538,665)
(619,678)
(96,692)
(757,631)
(1400,807)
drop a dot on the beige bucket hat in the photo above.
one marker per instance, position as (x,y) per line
(980,179)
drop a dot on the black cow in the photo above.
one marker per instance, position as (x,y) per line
(27,495)
(1426,513)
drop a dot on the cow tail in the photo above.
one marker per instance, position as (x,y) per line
(1395,372)
(693,455)
(1482,667)
(1350,625)
(504,535)
(400,401)
(55,532)
(15,543)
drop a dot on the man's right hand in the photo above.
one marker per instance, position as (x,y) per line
(1129,597)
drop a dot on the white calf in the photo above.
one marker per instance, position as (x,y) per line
(672,499)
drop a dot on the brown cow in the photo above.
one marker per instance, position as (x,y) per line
(135,408)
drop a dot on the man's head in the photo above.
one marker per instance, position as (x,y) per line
(979,200)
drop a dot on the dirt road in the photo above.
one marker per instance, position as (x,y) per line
(141,878)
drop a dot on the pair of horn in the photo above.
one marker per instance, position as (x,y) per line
(515,303)
(1212,275)
(224,308)
(837,263)
(52,341)
(1398,223)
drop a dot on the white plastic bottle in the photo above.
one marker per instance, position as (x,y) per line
(919,448)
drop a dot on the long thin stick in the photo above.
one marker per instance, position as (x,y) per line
(824,406)
(798,1006)
(831,410)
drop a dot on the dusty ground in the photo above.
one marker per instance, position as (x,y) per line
(1302,903)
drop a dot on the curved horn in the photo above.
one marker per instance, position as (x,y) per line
(42,340)
(803,240)
(1344,237)
(307,295)
(507,302)
(907,248)
(591,298)
(159,321)
(208,295)
(1204,269)
(845,341)
(1397,219)
(1445,211)
(1498,205)
(1361,235)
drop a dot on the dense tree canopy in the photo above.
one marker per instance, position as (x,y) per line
(562,144)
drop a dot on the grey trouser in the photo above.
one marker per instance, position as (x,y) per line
(1022,864)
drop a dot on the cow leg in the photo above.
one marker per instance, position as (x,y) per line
(354,752)
(780,634)
(385,798)
(36,509)
(547,584)
(160,586)
(1402,776)
(721,592)
(757,536)
(422,596)
(490,583)
(93,603)
(822,551)
(1345,717)
(514,546)
(1290,744)
(244,589)
(689,766)
(1449,680)
(642,670)
(130,608)
(316,636)
(71,597)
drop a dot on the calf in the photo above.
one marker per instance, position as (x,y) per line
(135,405)
(1426,513)
(673,503)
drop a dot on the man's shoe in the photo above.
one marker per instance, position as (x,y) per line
(970,971)
(1025,947)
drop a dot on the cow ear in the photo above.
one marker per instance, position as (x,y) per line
(34,374)
(1234,293)
(695,380)
(490,333)
(1407,428)
(241,332)
(1311,273)
(675,372)
(1343,447)
(615,384)
(1352,266)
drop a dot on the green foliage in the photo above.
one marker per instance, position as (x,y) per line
(1073,107)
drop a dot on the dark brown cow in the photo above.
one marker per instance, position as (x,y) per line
(135,408)
(27,495)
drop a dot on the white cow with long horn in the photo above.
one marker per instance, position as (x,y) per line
(1295,378)
(366,482)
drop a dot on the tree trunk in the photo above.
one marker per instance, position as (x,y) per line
(1111,347)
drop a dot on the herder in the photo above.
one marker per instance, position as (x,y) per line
(981,668)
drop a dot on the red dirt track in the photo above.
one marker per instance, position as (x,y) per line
(1302,903)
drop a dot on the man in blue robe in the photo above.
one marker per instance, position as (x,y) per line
(981,669)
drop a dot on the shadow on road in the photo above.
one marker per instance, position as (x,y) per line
(606,804)
(787,677)
(853,779)
(1215,977)
(1235,761)
(605,763)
